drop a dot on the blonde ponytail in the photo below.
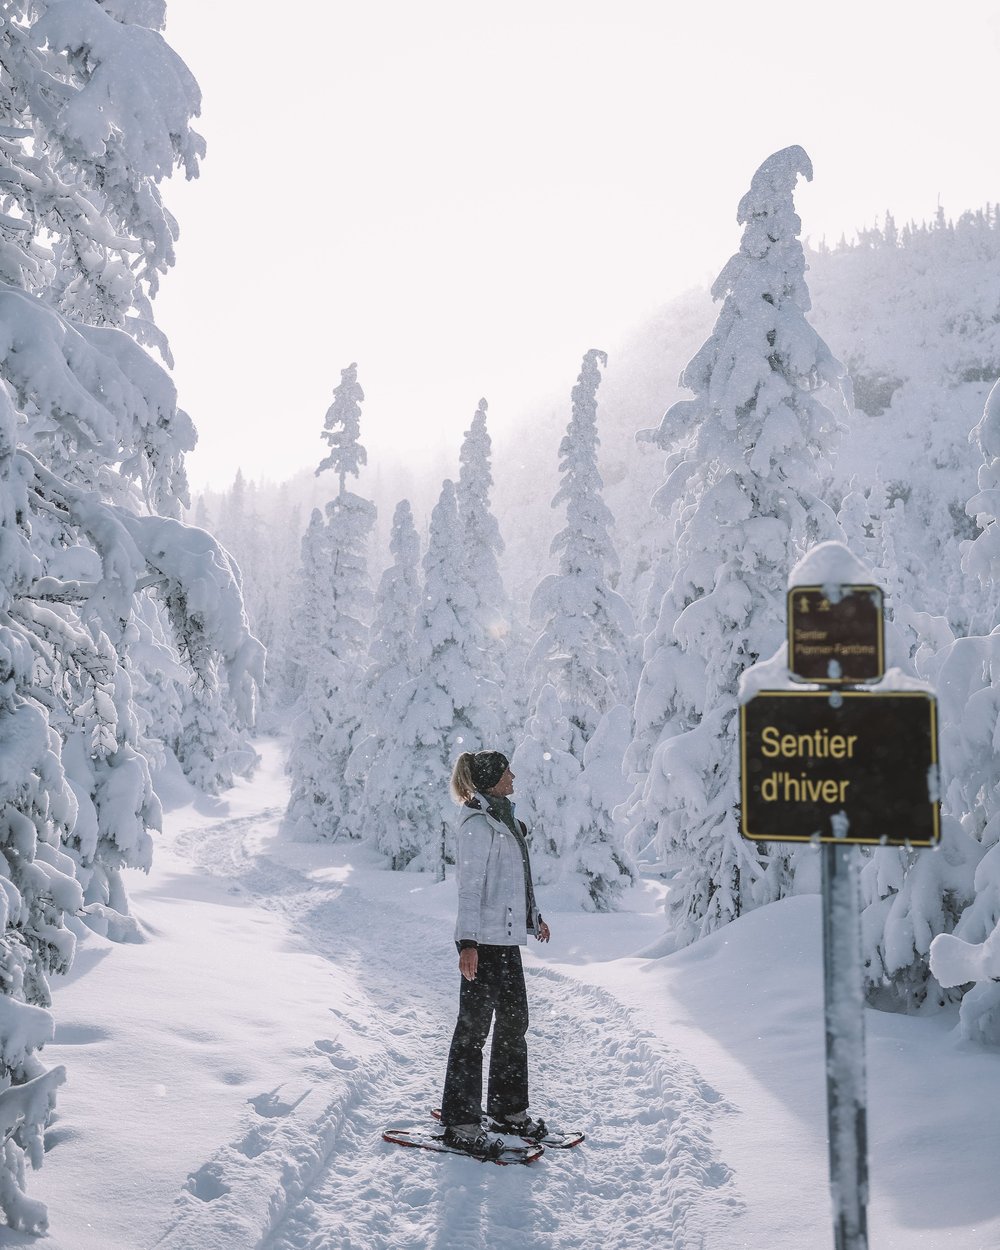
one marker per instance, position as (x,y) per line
(462,785)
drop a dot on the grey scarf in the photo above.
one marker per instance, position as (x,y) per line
(502,809)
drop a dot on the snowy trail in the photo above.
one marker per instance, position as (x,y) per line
(312,1173)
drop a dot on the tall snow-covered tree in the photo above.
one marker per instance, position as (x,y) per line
(342,429)
(585,647)
(444,709)
(324,802)
(483,543)
(488,621)
(314,788)
(390,649)
(750,445)
(282,543)
(601,861)
(390,662)
(585,640)
(95,110)
(389,658)
(968,675)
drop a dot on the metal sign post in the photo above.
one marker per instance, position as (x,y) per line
(846,1099)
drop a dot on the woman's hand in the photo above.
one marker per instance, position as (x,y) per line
(543,933)
(468,962)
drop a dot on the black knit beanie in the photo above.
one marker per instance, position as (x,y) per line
(487,768)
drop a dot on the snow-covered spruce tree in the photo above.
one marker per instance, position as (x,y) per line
(324,802)
(390,662)
(910,896)
(585,648)
(483,546)
(586,630)
(446,708)
(94,111)
(342,429)
(968,677)
(390,654)
(753,440)
(860,518)
(568,807)
(601,859)
(95,162)
(551,798)
(278,585)
(37,885)
(313,786)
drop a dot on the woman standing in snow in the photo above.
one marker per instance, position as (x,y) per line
(496,912)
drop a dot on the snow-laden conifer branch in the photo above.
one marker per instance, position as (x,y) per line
(194,574)
(99,111)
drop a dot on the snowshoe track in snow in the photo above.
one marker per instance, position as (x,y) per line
(311,1171)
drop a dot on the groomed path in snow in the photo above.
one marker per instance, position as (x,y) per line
(647,1175)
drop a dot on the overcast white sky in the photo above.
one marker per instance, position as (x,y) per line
(465,197)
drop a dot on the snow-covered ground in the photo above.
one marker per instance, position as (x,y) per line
(230,1076)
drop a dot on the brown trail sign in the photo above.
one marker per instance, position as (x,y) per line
(836,638)
(842,766)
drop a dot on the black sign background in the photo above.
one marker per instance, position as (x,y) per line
(849,630)
(887,800)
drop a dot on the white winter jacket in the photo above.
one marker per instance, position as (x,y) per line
(491,887)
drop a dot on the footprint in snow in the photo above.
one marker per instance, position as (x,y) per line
(335,1053)
(207,1183)
(271,1105)
(255,1142)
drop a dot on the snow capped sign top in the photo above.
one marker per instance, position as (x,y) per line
(836,630)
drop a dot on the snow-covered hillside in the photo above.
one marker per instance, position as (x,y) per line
(231,1075)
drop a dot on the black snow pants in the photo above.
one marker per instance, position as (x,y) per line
(497,990)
